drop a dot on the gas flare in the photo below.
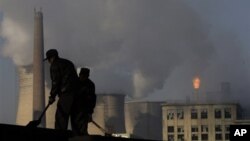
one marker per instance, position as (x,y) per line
(196,83)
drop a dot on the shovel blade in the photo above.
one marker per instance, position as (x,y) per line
(33,124)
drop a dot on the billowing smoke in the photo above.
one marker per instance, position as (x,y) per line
(131,46)
(16,42)
(134,47)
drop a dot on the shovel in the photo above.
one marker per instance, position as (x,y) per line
(35,123)
(103,130)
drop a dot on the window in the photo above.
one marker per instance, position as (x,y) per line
(180,129)
(194,129)
(180,113)
(170,129)
(170,137)
(217,113)
(194,114)
(218,136)
(227,128)
(227,136)
(180,137)
(227,113)
(204,137)
(170,114)
(204,128)
(203,113)
(218,128)
(194,137)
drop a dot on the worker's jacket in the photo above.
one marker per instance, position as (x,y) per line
(87,97)
(64,77)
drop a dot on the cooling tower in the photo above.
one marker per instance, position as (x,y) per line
(144,119)
(24,108)
(109,113)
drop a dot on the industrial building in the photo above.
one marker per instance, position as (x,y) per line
(143,119)
(199,121)
(137,119)
(109,114)
(32,88)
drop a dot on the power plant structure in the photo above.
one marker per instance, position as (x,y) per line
(140,119)
(143,119)
(31,100)
(38,68)
(109,113)
(24,108)
(110,109)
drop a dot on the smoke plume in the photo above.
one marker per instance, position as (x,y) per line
(132,47)
(15,36)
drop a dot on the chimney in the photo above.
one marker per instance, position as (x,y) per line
(226,91)
(38,68)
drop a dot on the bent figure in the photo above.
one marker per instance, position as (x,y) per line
(65,85)
(84,104)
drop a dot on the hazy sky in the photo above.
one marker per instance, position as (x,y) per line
(143,48)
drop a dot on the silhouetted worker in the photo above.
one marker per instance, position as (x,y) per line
(65,84)
(84,104)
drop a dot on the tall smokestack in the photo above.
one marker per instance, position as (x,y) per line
(225,91)
(38,68)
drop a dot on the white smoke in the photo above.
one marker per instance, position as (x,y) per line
(16,42)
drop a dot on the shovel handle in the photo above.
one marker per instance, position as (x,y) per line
(41,116)
(103,130)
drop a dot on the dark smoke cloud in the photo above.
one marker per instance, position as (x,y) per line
(229,64)
(133,47)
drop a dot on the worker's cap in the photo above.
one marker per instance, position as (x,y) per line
(84,71)
(51,53)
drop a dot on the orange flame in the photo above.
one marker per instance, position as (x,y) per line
(196,83)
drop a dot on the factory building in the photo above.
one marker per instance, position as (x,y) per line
(198,121)
(144,119)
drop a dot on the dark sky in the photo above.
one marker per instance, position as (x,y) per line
(143,48)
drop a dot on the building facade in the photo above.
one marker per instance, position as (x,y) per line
(198,122)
